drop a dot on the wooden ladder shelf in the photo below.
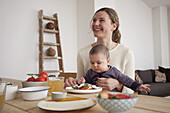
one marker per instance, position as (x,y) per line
(42,43)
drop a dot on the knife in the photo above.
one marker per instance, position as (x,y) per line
(68,99)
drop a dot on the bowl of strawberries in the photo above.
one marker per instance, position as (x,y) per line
(116,102)
(36,80)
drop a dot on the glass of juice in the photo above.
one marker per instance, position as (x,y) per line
(56,84)
(2,93)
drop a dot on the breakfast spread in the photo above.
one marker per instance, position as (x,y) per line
(84,86)
(41,77)
(104,94)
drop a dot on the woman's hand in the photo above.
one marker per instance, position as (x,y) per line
(109,84)
(70,82)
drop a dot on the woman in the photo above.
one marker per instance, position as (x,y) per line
(105,27)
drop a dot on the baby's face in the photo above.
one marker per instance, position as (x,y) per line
(99,63)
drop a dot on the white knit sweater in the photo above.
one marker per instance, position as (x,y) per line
(121,57)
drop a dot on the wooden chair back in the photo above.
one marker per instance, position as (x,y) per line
(66,75)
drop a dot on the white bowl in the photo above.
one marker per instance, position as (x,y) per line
(117,105)
(57,95)
(32,84)
(34,93)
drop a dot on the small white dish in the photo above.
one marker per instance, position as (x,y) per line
(57,95)
(11,92)
(34,93)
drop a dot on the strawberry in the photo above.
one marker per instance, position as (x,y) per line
(123,96)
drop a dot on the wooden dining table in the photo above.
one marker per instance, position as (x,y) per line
(145,104)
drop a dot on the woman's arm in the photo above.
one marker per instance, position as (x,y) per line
(129,69)
(80,66)
(83,62)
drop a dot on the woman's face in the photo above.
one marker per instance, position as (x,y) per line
(102,25)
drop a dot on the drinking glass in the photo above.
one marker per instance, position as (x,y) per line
(56,84)
(2,93)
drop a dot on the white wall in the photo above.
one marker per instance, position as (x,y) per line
(84,15)
(169,31)
(19,36)
(157,35)
(161,41)
(135,27)
(164,36)
(19,32)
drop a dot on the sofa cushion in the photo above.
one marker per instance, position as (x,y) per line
(161,69)
(166,71)
(137,78)
(146,75)
(160,77)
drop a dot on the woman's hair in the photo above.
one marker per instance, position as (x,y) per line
(100,49)
(116,36)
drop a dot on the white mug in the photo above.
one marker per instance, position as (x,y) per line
(11,92)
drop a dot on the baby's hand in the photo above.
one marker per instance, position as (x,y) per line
(144,88)
(81,80)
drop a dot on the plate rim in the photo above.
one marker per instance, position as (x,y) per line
(42,88)
(86,107)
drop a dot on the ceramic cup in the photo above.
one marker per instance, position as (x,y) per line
(57,95)
(11,92)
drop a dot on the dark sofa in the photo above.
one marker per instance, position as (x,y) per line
(157,88)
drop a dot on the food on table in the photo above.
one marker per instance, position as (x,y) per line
(68,99)
(31,79)
(41,77)
(45,75)
(83,86)
(104,94)
(56,84)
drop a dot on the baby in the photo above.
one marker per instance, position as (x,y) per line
(100,68)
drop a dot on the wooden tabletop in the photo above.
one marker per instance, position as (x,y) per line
(145,104)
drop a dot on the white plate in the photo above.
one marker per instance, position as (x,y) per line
(70,89)
(67,105)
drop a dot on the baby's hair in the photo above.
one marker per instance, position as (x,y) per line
(100,49)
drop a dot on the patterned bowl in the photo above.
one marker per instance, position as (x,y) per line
(117,105)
